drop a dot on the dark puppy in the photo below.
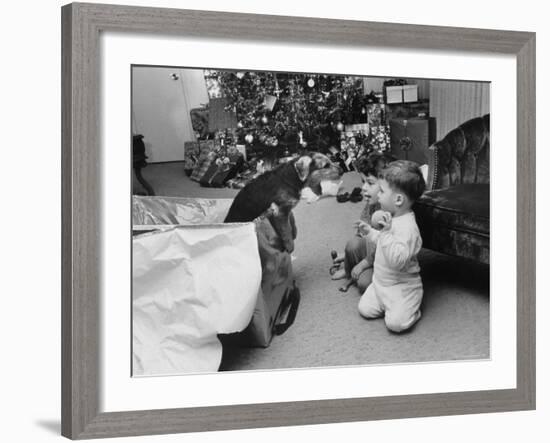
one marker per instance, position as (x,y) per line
(275,193)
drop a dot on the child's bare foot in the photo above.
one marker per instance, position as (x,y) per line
(346,286)
(339,274)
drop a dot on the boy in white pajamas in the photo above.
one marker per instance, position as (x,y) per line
(396,289)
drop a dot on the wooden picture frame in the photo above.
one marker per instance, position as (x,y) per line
(81,26)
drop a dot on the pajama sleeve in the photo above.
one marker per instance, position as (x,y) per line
(373,235)
(397,252)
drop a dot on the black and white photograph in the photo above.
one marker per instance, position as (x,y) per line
(290,220)
(275,221)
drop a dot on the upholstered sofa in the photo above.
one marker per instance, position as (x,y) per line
(453,214)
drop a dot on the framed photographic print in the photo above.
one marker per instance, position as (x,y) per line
(214,165)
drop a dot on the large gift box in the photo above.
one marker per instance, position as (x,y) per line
(197,280)
(401,94)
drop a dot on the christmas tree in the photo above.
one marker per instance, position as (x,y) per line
(286,112)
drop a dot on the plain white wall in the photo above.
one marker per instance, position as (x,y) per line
(452,103)
(160,109)
(30,222)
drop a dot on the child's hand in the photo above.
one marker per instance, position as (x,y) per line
(357,270)
(386,221)
(362,227)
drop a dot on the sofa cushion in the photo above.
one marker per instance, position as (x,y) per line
(455,221)
(461,207)
(463,154)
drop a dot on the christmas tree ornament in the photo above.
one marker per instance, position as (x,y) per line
(340,126)
(270,101)
(277,91)
(311,83)
(264,120)
(249,138)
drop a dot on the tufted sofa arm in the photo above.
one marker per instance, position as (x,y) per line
(462,156)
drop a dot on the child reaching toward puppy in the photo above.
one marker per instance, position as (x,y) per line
(395,292)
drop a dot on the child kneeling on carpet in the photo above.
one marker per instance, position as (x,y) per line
(396,289)
(358,255)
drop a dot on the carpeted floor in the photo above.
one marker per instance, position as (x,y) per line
(328,330)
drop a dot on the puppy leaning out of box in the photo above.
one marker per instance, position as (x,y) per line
(275,193)
(396,290)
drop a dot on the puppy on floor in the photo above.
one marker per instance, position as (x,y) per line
(275,193)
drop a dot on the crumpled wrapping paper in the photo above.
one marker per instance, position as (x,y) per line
(178,210)
(188,286)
